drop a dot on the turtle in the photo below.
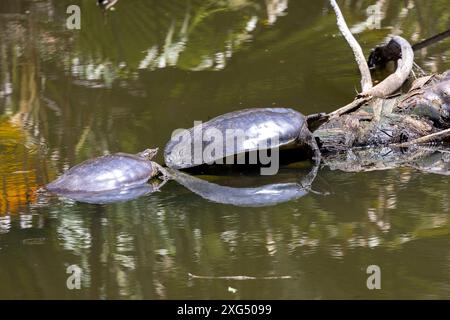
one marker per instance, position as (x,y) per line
(261,128)
(110,172)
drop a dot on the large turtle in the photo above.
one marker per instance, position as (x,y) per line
(259,128)
(111,172)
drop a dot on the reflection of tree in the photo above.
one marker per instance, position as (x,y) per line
(199,36)
(21,165)
(414,20)
(18,176)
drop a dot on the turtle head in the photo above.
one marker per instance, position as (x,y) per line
(148,153)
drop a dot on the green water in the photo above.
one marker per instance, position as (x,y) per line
(130,77)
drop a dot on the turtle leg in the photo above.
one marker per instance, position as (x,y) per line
(165,174)
(160,185)
(315,149)
(305,137)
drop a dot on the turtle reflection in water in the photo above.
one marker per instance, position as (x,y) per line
(265,195)
(111,178)
(114,196)
(426,159)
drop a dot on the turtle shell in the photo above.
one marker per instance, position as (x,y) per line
(105,173)
(256,129)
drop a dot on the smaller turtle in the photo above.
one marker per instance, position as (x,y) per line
(111,172)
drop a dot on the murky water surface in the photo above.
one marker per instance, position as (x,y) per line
(130,77)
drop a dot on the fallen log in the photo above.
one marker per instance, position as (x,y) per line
(377,117)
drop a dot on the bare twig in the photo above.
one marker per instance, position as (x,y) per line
(437,136)
(239,277)
(366,79)
(349,107)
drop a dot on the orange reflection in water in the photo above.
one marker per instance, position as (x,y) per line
(18,181)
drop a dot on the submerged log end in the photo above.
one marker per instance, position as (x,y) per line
(381,55)
(400,49)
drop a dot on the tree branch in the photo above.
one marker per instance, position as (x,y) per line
(355,104)
(425,43)
(366,79)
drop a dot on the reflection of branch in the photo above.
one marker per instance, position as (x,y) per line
(438,136)
(107,4)
(275,8)
(239,277)
(366,79)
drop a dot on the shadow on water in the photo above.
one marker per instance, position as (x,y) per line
(127,79)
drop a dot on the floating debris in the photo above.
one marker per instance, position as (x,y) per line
(232,290)
(34,241)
